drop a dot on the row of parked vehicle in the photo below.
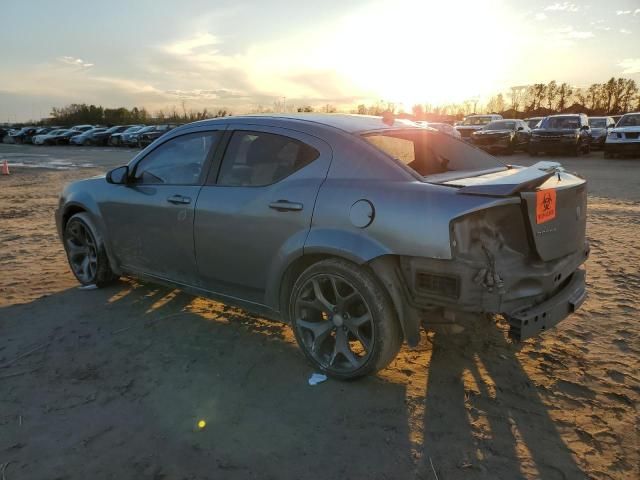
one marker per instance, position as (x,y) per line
(567,133)
(119,135)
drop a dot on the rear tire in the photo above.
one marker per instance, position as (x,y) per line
(86,252)
(343,319)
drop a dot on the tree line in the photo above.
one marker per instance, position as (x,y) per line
(613,97)
(76,114)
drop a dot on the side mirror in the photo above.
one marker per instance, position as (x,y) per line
(118,176)
(584,127)
(520,129)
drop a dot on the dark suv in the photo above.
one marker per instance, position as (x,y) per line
(566,133)
(148,137)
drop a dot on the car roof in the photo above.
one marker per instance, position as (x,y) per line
(350,123)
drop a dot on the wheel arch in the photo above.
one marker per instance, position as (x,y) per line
(385,268)
(74,206)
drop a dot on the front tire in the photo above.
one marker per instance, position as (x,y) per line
(344,320)
(86,253)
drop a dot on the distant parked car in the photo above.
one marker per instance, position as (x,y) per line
(441,127)
(473,123)
(47,138)
(131,139)
(4,131)
(569,133)
(23,135)
(119,139)
(600,127)
(103,137)
(82,128)
(62,137)
(504,136)
(616,118)
(148,137)
(85,138)
(624,138)
(533,122)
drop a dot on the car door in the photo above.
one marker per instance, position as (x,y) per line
(150,219)
(257,208)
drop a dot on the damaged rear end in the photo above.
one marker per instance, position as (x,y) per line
(516,246)
(521,260)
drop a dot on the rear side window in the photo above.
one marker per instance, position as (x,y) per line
(430,153)
(258,159)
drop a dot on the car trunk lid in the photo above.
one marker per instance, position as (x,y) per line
(554,202)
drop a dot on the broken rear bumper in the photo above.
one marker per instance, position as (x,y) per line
(550,312)
(517,289)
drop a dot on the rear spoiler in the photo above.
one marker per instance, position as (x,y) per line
(528,178)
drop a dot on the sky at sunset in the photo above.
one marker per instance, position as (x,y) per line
(241,55)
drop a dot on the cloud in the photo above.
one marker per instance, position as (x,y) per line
(540,16)
(75,62)
(562,7)
(199,94)
(630,65)
(200,43)
(569,33)
(625,31)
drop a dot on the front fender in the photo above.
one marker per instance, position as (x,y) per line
(73,200)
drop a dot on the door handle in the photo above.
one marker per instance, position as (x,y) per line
(179,200)
(286,206)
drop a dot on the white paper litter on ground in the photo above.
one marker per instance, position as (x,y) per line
(316,378)
(93,286)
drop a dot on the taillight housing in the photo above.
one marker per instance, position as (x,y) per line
(493,230)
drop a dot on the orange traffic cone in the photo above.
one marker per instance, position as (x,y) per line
(5,168)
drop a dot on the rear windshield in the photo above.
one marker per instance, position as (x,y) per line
(501,125)
(561,122)
(476,120)
(430,153)
(629,121)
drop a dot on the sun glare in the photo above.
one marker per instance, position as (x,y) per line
(429,55)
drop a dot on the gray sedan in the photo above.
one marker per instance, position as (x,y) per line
(355,230)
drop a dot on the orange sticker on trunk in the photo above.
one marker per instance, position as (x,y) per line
(545,205)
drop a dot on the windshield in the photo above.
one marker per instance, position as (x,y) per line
(631,120)
(533,122)
(598,122)
(132,129)
(476,121)
(429,153)
(561,122)
(501,125)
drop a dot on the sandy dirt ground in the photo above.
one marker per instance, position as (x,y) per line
(112,383)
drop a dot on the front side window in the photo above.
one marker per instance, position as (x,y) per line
(259,159)
(176,162)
